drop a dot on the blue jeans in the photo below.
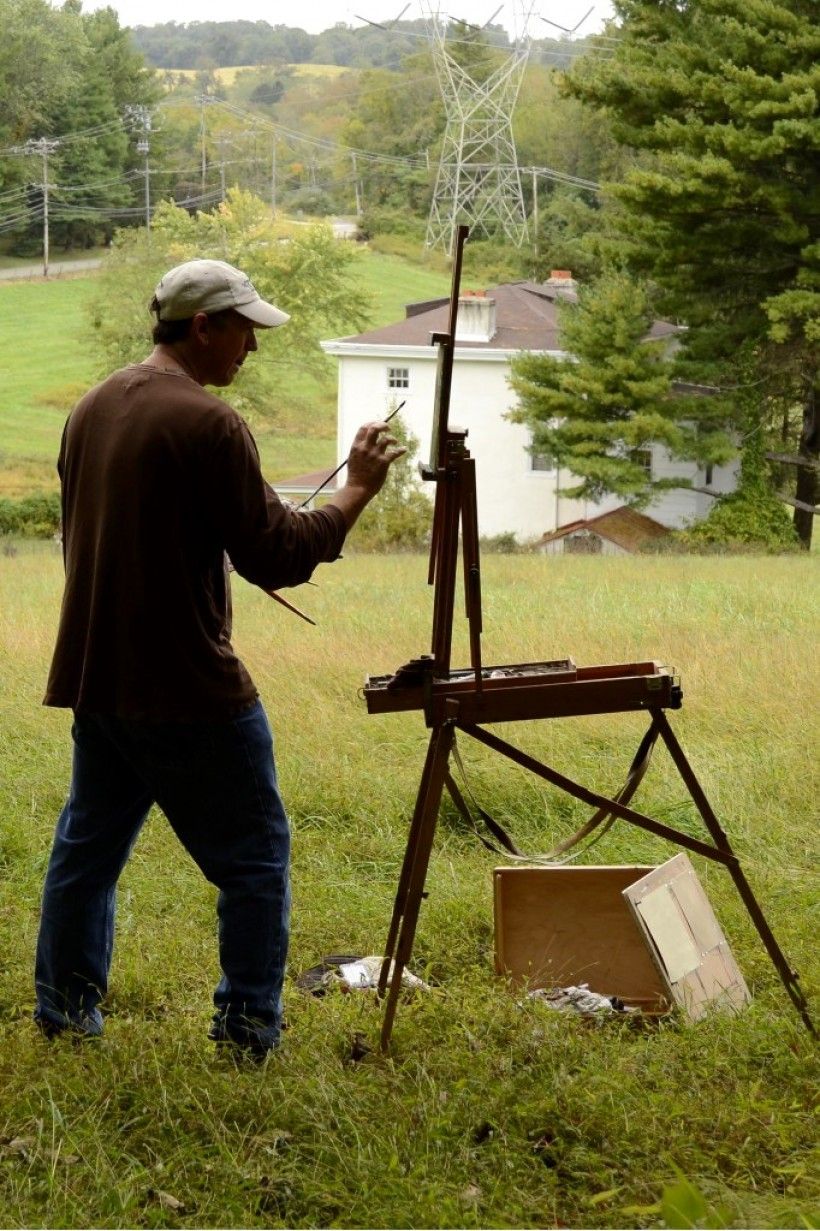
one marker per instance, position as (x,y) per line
(216,783)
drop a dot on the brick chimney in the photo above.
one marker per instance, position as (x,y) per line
(563,284)
(475,320)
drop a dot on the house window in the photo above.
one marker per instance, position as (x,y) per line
(398,378)
(642,458)
(539,460)
(583,545)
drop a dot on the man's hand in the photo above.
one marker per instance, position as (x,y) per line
(371,455)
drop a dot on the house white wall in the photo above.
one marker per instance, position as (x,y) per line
(512,496)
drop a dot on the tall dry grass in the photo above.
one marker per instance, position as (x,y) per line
(489,1112)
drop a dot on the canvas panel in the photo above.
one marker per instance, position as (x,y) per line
(685,939)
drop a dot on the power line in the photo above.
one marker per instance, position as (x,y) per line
(126,177)
(294,135)
(328,152)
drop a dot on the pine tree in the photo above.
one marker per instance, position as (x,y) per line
(102,165)
(611,398)
(720,96)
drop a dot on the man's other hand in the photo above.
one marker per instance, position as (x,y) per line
(371,455)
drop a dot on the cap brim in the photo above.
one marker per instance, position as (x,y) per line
(263,314)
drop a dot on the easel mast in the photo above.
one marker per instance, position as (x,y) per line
(465,700)
(453,470)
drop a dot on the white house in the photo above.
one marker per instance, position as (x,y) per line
(518,491)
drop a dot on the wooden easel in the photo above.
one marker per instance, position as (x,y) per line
(465,700)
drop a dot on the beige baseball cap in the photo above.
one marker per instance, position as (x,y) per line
(213,286)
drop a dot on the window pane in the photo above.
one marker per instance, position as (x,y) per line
(398,378)
(642,458)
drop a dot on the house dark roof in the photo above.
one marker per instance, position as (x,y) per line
(526,319)
(624,527)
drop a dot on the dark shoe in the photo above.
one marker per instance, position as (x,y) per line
(247,1035)
(87,1027)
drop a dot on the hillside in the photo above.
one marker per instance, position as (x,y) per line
(47,360)
(216,44)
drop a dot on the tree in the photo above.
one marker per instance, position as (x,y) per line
(80,71)
(555,131)
(402,516)
(721,96)
(304,270)
(596,410)
(38,71)
(396,115)
(567,221)
(38,66)
(89,171)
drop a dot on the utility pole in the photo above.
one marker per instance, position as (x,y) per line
(202,137)
(43,146)
(142,117)
(534,211)
(273,176)
(357,187)
(204,100)
(222,144)
(144,147)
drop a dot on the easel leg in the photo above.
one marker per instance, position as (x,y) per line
(407,864)
(414,872)
(788,977)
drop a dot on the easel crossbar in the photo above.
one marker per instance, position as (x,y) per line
(721,855)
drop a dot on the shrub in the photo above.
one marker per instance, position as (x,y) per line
(381,220)
(744,518)
(489,262)
(400,518)
(752,517)
(34,517)
(505,544)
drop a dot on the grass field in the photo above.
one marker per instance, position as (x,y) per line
(490,1112)
(46,361)
(227,75)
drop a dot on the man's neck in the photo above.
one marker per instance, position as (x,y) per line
(172,359)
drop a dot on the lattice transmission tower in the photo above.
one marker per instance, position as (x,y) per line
(478,181)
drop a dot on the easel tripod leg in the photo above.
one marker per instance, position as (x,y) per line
(788,977)
(414,872)
(407,866)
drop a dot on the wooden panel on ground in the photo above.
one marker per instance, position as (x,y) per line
(685,940)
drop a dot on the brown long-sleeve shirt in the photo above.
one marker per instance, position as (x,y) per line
(160,479)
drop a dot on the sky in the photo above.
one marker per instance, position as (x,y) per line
(317,15)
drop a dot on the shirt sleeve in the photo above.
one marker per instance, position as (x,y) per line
(269,544)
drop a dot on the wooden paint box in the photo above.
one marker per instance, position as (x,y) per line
(646,935)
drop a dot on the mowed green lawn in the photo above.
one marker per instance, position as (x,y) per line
(47,360)
(45,363)
(490,1111)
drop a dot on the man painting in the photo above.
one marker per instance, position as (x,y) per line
(161,486)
